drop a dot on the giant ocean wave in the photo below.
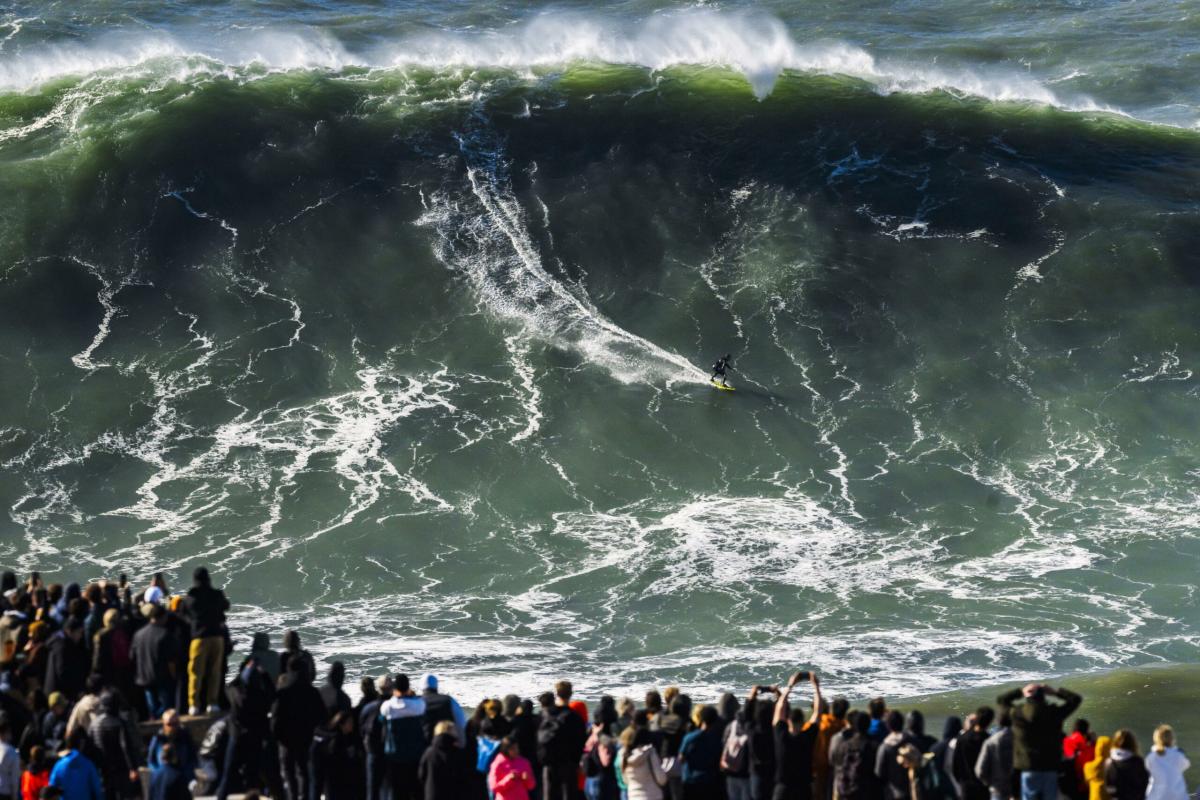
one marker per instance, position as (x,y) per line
(407,338)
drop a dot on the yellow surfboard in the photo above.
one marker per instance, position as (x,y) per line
(723,388)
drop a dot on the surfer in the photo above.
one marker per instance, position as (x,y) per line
(719,369)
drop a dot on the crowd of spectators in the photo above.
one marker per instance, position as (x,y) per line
(83,670)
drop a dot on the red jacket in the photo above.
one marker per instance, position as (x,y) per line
(1080,749)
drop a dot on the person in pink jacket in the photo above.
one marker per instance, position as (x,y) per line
(511,776)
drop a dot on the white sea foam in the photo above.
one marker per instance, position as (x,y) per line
(488,240)
(759,47)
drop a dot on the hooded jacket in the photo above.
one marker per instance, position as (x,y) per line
(1125,776)
(1093,771)
(443,769)
(643,773)
(1166,774)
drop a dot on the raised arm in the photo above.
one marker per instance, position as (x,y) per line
(781,705)
(816,684)
(1007,699)
(1070,701)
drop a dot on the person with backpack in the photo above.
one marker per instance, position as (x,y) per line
(510,776)
(402,720)
(441,708)
(561,737)
(1037,729)
(926,781)
(853,763)
(735,753)
(600,755)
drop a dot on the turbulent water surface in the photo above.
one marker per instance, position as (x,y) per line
(398,314)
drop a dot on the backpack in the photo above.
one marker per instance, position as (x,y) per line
(857,772)
(932,781)
(485,751)
(553,736)
(735,751)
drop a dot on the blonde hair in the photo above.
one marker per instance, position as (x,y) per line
(696,714)
(669,695)
(445,726)
(1164,737)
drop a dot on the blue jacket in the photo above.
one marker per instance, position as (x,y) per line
(77,777)
(701,754)
(185,751)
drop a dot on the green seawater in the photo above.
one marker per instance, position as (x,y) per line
(398,317)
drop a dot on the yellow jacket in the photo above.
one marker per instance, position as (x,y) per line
(1093,771)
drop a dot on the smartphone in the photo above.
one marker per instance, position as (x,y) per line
(803,675)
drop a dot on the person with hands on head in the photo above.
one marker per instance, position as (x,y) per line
(794,741)
(1037,736)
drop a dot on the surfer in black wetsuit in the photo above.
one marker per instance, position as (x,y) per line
(719,369)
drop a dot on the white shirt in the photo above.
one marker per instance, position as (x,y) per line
(1166,774)
(153,595)
(401,707)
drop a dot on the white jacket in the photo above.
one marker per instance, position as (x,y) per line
(643,774)
(1166,774)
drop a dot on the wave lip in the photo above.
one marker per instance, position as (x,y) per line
(759,47)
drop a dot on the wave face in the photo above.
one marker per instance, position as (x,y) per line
(400,321)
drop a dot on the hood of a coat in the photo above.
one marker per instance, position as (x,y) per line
(638,755)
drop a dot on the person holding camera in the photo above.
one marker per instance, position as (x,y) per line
(795,739)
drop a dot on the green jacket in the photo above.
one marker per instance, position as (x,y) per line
(1038,729)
